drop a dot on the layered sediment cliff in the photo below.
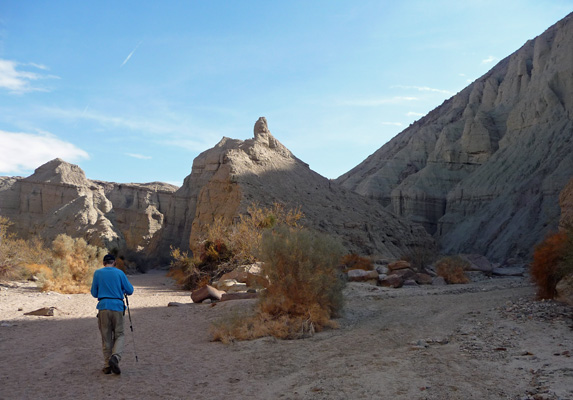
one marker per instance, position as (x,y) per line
(483,171)
(58,198)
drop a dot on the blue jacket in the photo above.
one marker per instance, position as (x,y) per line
(108,286)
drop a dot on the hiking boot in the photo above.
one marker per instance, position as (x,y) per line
(106,370)
(114,365)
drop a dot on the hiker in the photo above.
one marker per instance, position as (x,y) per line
(109,286)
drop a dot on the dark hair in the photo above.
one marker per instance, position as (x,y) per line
(108,258)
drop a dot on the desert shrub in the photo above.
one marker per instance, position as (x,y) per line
(17,254)
(552,260)
(242,238)
(73,264)
(305,290)
(184,270)
(229,244)
(419,257)
(452,269)
(354,261)
(41,271)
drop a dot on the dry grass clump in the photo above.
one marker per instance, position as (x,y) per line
(452,269)
(305,290)
(552,260)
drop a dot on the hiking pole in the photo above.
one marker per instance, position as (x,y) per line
(131,327)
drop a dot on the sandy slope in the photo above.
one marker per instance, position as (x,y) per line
(486,340)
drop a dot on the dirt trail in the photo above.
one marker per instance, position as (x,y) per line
(486,340)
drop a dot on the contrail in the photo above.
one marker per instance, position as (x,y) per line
(129,56)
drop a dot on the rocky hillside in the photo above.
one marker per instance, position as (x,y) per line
(483,171)
(228,178)
(224,182)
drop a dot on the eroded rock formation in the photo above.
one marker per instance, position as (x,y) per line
(58,198)
(228,178)
(483,171)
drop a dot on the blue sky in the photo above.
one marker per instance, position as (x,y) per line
(133,91)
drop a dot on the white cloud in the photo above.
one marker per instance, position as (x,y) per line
(489,60)
(23,152)
(414,114)
(392,123)
(173,132)
(129,55)
(16,80)
(424,89)
(139,156)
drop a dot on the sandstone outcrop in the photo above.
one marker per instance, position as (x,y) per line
(483,171)
(58,198)
(228,178)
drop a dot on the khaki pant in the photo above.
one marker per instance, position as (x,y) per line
(110,325)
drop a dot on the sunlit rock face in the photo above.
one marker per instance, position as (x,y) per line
(483,171)
(235,174)
(58,198)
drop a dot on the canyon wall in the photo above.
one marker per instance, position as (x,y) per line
(483,171)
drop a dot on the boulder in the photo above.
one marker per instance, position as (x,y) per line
(423,279)
(239,296)
(477,262)
(361,275)
(393,281)
(226,284)
(439,281)
(238,275)
(565,290)
(382,269)
(43,312)
(404,273)
(400,264)
(206,292)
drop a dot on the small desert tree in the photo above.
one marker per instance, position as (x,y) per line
(552,260)
(242,238)
(304,292)
(227,244)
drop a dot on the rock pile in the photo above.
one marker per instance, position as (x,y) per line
(401,273)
